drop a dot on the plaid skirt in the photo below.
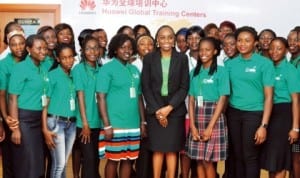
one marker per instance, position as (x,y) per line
(296,147)
(215,149)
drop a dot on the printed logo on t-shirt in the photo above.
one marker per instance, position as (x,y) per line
(135,75)
(278,77)
(208,81)
(250,70)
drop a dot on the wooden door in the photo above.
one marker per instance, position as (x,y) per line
(45,13)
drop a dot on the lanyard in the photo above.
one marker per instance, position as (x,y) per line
(89,72)
(130,75)
(204,80)
(71,86)
(44,78)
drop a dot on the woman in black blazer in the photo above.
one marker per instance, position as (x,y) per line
(165,83)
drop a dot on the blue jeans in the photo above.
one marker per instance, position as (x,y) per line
(65,137)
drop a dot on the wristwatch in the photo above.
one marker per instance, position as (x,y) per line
(296,130)
(264,125)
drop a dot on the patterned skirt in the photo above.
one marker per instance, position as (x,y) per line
(215,149)
(101,145)
(124,145)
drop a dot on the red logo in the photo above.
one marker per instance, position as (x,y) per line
(87,4)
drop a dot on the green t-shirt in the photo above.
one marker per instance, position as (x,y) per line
(47,63)
(29,82)
(295,61)
(211,87)
(248,77)
(6,66)
(61,91)
(287,81)
(165,65)
(84,77)
(116,80)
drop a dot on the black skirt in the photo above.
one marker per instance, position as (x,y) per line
(169,139)
(28,157)
(276,153)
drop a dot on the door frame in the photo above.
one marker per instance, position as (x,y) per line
(48,8)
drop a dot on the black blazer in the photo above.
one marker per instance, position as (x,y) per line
(178,83)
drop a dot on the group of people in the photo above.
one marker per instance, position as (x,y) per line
(198,95)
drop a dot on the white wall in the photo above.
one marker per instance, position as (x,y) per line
(32,1)
(279,15)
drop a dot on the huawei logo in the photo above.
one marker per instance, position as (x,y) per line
(87,4)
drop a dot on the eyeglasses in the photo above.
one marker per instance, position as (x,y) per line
(91,49)
(193,38)
(266,38)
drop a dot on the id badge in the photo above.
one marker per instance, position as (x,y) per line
(132,92)
(44,100)
(72,104)
(200,101)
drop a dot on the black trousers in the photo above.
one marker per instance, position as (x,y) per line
(90,157)
(242,126)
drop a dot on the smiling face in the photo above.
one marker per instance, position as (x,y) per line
(38,51)
(193,41)
(245,44)
(64,36)
(229,46)
(265,39)
(293,42)
(125,51)
(206,52)
(101,37)
(277,51)
(91,51)
(165,39)
(17,46)
(50,38)
(144,46)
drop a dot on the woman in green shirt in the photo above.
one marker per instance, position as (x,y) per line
(16,42)
(209,89)
(121,106)
(283,127)
(58,117)
(88,120)
(250,103)
(264,40)
(26,89)
(49,35)
(294,48)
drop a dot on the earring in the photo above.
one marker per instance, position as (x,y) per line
(157,45)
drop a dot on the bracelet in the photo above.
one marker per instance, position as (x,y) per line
(107,127)
(144,123)
(296,130)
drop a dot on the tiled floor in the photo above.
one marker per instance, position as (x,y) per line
(102,164)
